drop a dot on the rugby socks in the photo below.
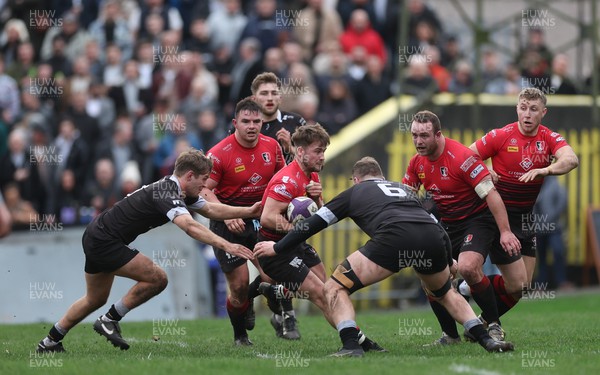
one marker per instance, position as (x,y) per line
(286,305)
(483,294)
(236,316)
(253,288)
(504,301)
(475,328)
(116,311)
(56,334)
(447,322)
(348,334)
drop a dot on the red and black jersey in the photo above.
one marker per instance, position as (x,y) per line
(514,154)
(241,173)
(451,180)
(289,183)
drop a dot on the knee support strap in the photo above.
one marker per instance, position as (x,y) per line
(345,276)
(440,292)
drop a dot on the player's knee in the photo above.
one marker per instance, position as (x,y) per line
(238,292)
(470,271)
(159,280)
(344,275)
(96,301)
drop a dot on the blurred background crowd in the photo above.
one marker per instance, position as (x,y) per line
(97,97)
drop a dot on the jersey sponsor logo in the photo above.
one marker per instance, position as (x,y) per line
(238,160)
(526,164)
(493,133)
(508,129)
(468,163)
(468,239)
(285,179)
(513,149)
(422,175)
(255,178)
(177,202)
(554,134)
(266,157)
(240,168)
(444,171)
(281,190)
(296,262)
(451,154)
(513,141)
(228,147)
(483,140)
(434,188)
(252,158)
(540,145)
(475,172)
(559,139)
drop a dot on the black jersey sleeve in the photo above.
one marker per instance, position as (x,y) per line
(301,232)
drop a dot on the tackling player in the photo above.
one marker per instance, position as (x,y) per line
(471,211)
(522,155)
(266,90)
(244,162)
(399,228)
(107,253)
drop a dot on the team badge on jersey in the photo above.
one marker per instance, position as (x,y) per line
(266,157)
(540,145)
(468,239)
(444,171)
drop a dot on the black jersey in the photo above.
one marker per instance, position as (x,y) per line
(148,207)
(372,204)
(287,120)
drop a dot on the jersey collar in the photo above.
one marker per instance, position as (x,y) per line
(173,178)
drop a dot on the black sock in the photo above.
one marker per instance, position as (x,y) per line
(236,316)
(286,304)
(483,294)
(349,337)
(253,288)
(113,314)
(446,320)
(54,335)
(479,333)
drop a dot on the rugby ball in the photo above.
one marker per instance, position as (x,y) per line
(301,208)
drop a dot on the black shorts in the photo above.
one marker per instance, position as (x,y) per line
(478,233)
(102,253)
(522,224)
(227,261)
(423,246)
(292,267)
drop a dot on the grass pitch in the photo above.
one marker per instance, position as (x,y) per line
(551,335)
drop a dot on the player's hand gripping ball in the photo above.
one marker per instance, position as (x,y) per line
(301,208)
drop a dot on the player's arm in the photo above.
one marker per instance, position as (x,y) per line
(566,161)
(234,225)
(272,216)
(304,229)
(201,233)
(486,190)
(220,211)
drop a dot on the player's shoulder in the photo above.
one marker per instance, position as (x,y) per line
(292,117)
(545,132)
(224,146)
(267,141)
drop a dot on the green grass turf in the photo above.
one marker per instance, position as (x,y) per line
(552,336)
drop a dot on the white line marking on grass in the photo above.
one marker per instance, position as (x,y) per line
(465,369)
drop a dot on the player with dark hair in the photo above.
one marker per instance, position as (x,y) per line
(522,155)
(107,253)
(471,211)
(400,230)
(244,162)
(266,90)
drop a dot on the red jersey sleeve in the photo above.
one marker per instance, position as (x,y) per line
(472,170)
(217,171)
(282,191)
(555,141)
(411,177)
(490,143)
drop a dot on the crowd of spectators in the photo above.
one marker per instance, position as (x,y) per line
(97,97)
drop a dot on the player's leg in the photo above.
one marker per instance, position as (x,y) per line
(356,272)
(237,302)
(439,286)
(97,291)
(151,280)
